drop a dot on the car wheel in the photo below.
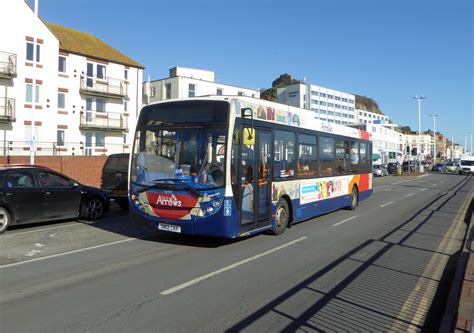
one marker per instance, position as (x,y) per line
(5,219)
(93,209)
(354,199)
(282,217)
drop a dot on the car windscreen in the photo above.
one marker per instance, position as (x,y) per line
(117,163)
(467,162)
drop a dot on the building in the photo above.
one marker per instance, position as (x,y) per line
(413,141)
(189,82)
(368,117)
(62,91)
(327,104)
(387,142)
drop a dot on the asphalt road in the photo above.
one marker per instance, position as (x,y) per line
(384,266)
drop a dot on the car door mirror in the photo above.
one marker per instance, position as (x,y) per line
(74,184)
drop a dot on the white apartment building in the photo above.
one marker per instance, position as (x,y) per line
(62,91)
(327,104)
(368,117)
(413,142)
(189,82)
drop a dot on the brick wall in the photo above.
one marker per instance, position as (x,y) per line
(85,169)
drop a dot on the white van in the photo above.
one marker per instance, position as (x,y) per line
(466,165)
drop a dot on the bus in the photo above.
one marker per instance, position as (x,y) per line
(233,166)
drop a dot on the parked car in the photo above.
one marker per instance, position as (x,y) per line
(379,171)
(393,167)
(31,194)
(439,167)
(115,178)
(451,167)
(409,166)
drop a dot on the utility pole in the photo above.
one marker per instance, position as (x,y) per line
(419,99)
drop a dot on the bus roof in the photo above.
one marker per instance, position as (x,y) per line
(280,114)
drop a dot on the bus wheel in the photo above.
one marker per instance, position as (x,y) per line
(282,217)
(354,198)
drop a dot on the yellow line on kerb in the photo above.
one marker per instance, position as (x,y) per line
(421,296)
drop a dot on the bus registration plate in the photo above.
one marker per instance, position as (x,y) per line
(169,227)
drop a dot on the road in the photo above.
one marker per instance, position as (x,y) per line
(385,266)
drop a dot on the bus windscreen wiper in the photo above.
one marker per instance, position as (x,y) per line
(167,186)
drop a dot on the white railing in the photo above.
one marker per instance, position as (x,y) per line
(104,86)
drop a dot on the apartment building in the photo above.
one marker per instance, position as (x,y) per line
(189,82)
(368,117)
(63,91)
(327,104)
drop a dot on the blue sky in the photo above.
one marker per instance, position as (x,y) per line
(388,50)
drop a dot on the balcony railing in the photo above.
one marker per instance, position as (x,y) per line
(108,87)
(7,65)
(7,109)
(112,121)
(43,148)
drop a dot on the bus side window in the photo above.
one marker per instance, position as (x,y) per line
(284,164)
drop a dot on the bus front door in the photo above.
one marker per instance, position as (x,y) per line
(255,179)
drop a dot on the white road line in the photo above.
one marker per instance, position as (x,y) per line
(409,195)
(344,221)
(380,186)
(423,189)
(71,252)
(38,230)
(387,203)
(434,184)
(219,271)
(398,183)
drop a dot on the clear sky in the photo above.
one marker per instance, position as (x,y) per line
(389,50)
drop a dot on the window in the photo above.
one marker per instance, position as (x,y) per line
(343,157)
(326,156)
(100,139)
(240,93)
(330,96)
(168,90)
(29,51)
(28,134)
(308,156)
(125,106)
(355,157)
(363,153)
(60,138)
(219,91)
(322,95)
(101,71)
(284,162)
(49,179)
(62,64)
(322,103)
(124,138)
(29,93)
(100,104)
(192,90)
(125,74)
(61,100)
(20,179)
(89,103)
(152,91)
(314,93)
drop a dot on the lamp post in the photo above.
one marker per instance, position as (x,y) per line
(434,115)
(419,99)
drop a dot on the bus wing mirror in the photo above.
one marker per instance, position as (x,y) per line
(246,113)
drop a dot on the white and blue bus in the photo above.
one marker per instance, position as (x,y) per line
(228,166)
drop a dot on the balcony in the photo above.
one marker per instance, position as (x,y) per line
(105,121)
(7,65)
(7,109)
(106,87)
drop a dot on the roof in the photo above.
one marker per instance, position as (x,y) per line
(85,44)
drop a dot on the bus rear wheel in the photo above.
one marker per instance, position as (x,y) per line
(282,217)
(354,199)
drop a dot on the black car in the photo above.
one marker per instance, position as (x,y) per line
(439,167)
(409,166)
(115,178)
(31,194)
(393,167)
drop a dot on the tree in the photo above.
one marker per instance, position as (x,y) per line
(283,80)
(367,104)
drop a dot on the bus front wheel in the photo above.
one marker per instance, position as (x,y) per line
(354,198)
(282,217)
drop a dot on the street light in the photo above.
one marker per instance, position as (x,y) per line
(419,99)
(434,115)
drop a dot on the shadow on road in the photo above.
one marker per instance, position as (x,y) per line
(392,282)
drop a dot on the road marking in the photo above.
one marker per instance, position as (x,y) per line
(344,221)
(423,189)
(32,253)
(434,184)
(387,203)
(409,195)
(73,251)
(219,271)
(380,186)
(38,230)
(398,183)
